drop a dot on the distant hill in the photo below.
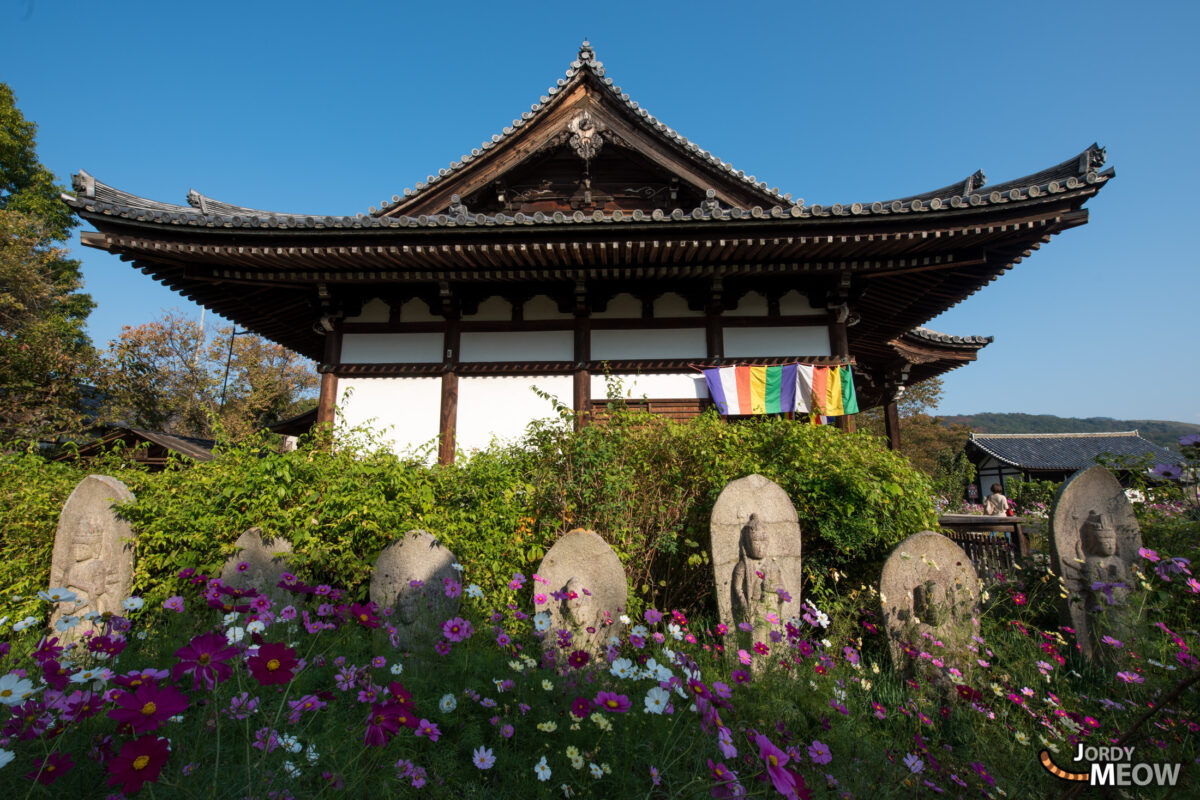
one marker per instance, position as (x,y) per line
(1160,432)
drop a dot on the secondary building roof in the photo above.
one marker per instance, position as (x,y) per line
(1066,451)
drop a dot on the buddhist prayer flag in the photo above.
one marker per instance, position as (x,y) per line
(753,390)
(788,387)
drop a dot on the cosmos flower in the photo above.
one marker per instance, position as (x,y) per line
(612,702)
(139,762)
(274,663)
(55,765)
(147,707)
(483,758)
(204,659)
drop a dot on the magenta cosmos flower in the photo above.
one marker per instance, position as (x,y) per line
(365,614)
(55,765)
(139,762)
(148,706)
(204,659)
(611,701)
(774,760)
(457,629)
(274,663)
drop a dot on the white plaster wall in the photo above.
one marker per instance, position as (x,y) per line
(810,340)
(374,310)
(502,406)
(672,304)
(752,304)
(391,348)
(417,310)
(517,346)
(664,343)
(405,411)
(493,309)
(657,385)
(542,307)
(623,306)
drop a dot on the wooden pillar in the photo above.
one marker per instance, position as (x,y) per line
(891,423)
(327,401)
(714,337)
(839,345)
(582,387)
(448,417)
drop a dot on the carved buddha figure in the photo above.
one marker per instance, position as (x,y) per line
(930,605)
(1101,564)
(578,608)
(756,579)
(90,576)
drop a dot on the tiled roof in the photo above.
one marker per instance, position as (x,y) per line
(1077,173)
(937,337)
(1067,451)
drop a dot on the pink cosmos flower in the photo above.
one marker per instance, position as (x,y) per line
(652,615)
(819,752)
(581,707)
(775,759)
(204,659)
(727,782)
(613,702)
(1130,677)
(55,765)
(1148,554)
(274,663)
(139,762)
(427,728)
(147,707)
(483,758)
(457,629)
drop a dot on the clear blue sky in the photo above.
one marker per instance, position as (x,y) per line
(331,107)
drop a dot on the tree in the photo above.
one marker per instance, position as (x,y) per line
(44,350)
(170,376)
(930,445)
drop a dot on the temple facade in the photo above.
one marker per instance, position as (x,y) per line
(589,239)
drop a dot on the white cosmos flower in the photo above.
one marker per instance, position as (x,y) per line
(235,634)
(291,770)
(230,618)
(25,623)
(622,668)
(656,700)
(132,603)
(58,596)
(14,689)
(675,630)
(100,674)
(6,756)
(447,703)
(457,567)
(311,754)
(65,623)
(3,620)
(541,621)
(542,769)
(397,668)
(639,631)
(474,591)
(255,626)
(625,620)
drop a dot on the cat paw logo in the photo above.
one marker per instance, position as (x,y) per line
(1112,766)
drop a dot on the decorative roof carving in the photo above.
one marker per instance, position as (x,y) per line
(586,139)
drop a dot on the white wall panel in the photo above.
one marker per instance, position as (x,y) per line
(405,411)
(623,306)
(656,385)
(374,310)
(391,348)
(517,346)
(493,309)
(811,340)
(673,305)
(542,307)
(752,304)
(642,343)
(795,303)
(502,406)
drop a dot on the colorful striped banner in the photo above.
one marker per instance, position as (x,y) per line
(827,391)
(752,390)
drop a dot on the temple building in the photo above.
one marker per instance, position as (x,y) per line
(588,238)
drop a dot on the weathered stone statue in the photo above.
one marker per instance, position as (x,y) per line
(591,588)
(755,540)
(257,565)
(930,592)
(410,579)
(93,549)
(1095,540)
(756,579)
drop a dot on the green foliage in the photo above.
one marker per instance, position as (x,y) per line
(645,483)
(953,473)
(1032,496)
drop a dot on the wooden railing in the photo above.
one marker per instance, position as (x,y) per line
(985,542)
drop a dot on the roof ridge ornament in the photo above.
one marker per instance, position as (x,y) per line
(84,183)
(196,200)
(585,130)
(1092,159)
(586,53)
(974,182)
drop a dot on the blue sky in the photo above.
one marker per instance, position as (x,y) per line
(331,107)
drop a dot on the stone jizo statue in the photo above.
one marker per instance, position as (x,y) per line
(756,581)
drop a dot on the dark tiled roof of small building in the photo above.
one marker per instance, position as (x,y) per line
(1067,451)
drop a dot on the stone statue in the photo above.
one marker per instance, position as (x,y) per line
(1094,542)
(756,580)
(409,578)
(93,549)
(929,590)
(586,576)
(755,541)
(257,564)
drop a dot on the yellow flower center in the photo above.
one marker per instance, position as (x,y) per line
(140,762)
(203,659)
(149,708)
(6,692)
(363,617)
(273,664)
(774,761)
(611,703)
